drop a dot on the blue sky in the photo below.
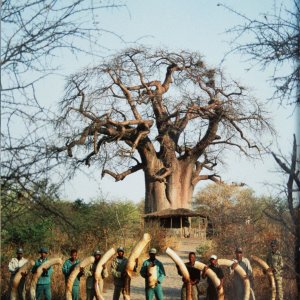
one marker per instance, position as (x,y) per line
(197,25)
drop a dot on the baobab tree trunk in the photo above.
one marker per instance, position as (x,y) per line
(174,191)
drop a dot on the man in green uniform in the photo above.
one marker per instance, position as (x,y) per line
(275,262)
(67,269)
(89,272)
(153,263)
(43,286)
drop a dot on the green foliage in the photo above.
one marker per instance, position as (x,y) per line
(203,248)
(35,233)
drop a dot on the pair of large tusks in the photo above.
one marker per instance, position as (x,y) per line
(271,278)
(87,261)
(135,253)
(104,259)
(241,272)
(38,273)
(184,271)
(14,290)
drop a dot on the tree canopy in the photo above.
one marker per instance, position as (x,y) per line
(162,112)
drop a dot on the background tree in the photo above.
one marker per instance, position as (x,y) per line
(241,218)
(161,112)
(234,210)
(291,191)
(272,40)
(36,37)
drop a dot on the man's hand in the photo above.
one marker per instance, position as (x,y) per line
(234,265)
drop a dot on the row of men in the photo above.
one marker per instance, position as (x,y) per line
(118,266)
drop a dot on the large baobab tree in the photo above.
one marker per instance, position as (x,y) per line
(165,113)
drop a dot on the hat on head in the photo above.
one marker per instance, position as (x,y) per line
(19,251)
(120,249)
(214,257)
(238,250)
(97,252)
(152,251)
(43,250)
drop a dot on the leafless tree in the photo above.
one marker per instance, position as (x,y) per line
(35,35)
(290,170)
(161,112)
(272,40)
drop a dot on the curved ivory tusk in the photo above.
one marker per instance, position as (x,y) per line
(135,253)
(38,273)
(271,278)
(240,271)
(104,259)
(24,269)
(213,277)
(178,261)
(184,271)
(87,261)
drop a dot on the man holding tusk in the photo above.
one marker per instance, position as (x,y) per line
(153,271)
(238,282)
(195,275)
(275,262)
(67,269)
(211,292)
(89,272)
(14,265)
(118,272)
(43,286)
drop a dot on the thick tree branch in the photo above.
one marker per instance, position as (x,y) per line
(122,175)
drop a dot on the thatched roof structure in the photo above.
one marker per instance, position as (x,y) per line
(169,212)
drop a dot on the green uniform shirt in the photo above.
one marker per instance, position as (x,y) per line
(45,278)
(67,269)
(160,270)
(274,260)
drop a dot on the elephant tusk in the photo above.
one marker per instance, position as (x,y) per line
(270,275)
(87,261)
(135,253)
(241,272)
(184,271)
(213,276)
(24,269)
(104,259)
(38,273)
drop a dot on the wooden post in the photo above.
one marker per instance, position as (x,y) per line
(190,226)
